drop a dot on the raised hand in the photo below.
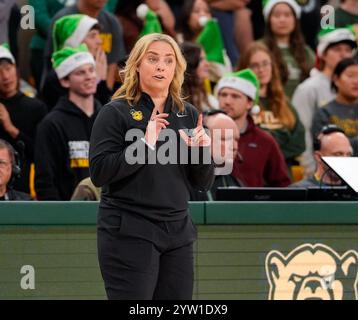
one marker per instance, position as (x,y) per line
(156,123)
(199,138)
(101,64)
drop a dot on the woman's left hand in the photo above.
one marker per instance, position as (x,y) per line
(199,137)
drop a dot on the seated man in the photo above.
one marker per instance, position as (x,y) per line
(9,170)
(263,163)
(224,149)
(61,154)
(19,117)
(330,142)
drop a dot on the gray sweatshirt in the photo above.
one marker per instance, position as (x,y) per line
(310,95)
(342,115)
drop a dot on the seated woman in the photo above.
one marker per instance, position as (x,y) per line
(284,37)
(276,115)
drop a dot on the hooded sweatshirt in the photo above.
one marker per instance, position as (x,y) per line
(61,153)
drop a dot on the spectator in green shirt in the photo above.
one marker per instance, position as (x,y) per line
(276,116)
(284,37)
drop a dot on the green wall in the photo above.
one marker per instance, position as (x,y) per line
(59,241)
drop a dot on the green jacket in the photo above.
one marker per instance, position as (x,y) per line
(292,142)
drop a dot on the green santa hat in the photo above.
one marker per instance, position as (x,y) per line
(150,18)
(5,53)
(329,36)
(244,81)
(71,30)
(269,4)
(68,59)
(211,40)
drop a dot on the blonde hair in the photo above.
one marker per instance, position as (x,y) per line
(130,89)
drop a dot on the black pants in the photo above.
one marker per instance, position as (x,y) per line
(143,259)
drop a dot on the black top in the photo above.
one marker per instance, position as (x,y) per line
(25,113)
(61,155)
(156,191)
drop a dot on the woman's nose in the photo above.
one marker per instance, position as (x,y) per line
(160,66)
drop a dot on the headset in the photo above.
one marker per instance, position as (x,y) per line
(328,129)
(15,160)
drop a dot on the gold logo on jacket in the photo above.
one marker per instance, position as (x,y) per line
(137,115)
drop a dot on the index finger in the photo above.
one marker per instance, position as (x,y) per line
(154,113)
(200,120)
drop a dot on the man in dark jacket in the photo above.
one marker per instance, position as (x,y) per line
(61,155)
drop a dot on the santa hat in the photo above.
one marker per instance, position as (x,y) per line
(269,4)
(71,30)
(66,60)
(244,81)
(150,18)
(5,53)
(211,40)
(329,36)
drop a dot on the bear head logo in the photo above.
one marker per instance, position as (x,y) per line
(312,272)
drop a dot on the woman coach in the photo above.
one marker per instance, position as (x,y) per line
(145,234)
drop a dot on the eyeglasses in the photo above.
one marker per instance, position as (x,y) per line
(257,66)
(4,164)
